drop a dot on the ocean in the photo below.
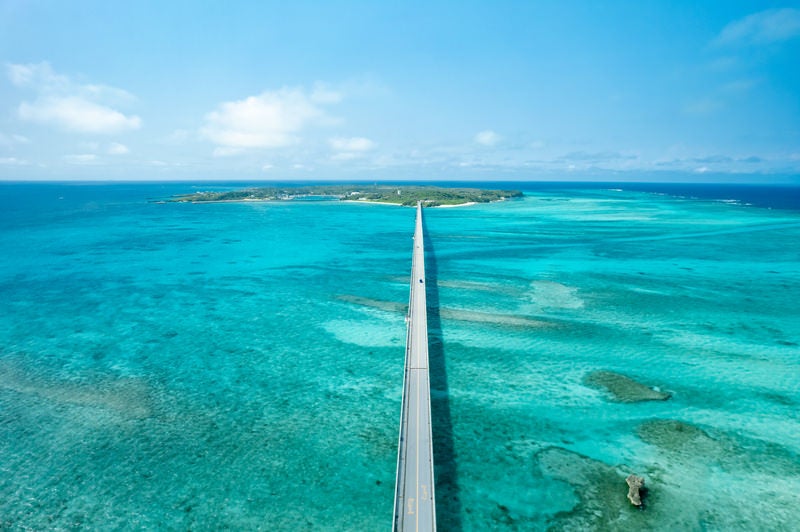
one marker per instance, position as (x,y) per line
(239,365)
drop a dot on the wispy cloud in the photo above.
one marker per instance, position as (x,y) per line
(713,159)
(597,157)
(722,97)
(13,139)
(350,148)
(273,119)
(351,144)
(764,27)
(739,86)
(83,108)
(13,161)
(703,106)
(718,163)
(81,159)
(724,64)
(77,114)
(115,148)
(487,138)
(178,136)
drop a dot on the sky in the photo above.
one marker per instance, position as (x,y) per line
(382,90)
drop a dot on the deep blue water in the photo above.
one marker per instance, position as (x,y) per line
(768,196)
(21,197)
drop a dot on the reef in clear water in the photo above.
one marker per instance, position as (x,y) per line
(599,487)
(623,389)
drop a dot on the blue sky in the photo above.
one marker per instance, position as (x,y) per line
(400,90)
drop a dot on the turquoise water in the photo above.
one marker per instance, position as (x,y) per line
(175,366)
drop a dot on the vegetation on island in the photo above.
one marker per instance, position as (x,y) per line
(408,195)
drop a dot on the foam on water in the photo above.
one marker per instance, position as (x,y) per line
(240,365)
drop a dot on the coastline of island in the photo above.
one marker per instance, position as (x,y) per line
(388,194)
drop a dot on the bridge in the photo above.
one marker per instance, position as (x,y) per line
(414,503)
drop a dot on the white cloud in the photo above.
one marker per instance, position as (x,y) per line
(107,94)
(36,75)
(266,167)
(765,27)
(115,148)
(272,119)
(77,114)
(42,78)
(68,105)
(487,138)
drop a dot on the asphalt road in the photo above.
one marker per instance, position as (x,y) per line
(414,507)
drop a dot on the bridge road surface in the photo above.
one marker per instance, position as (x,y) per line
(414,504)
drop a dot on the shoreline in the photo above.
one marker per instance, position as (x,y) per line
(372,202)
(431,196)
(467,204)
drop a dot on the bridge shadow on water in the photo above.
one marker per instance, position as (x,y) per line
(448,502)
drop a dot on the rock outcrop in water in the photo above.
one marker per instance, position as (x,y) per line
(635,485)
(624,389)
(600,504)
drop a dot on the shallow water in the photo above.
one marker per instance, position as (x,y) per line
(240,365)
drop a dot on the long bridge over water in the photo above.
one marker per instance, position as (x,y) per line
(414,502)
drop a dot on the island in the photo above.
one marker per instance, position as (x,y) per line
(407,195)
